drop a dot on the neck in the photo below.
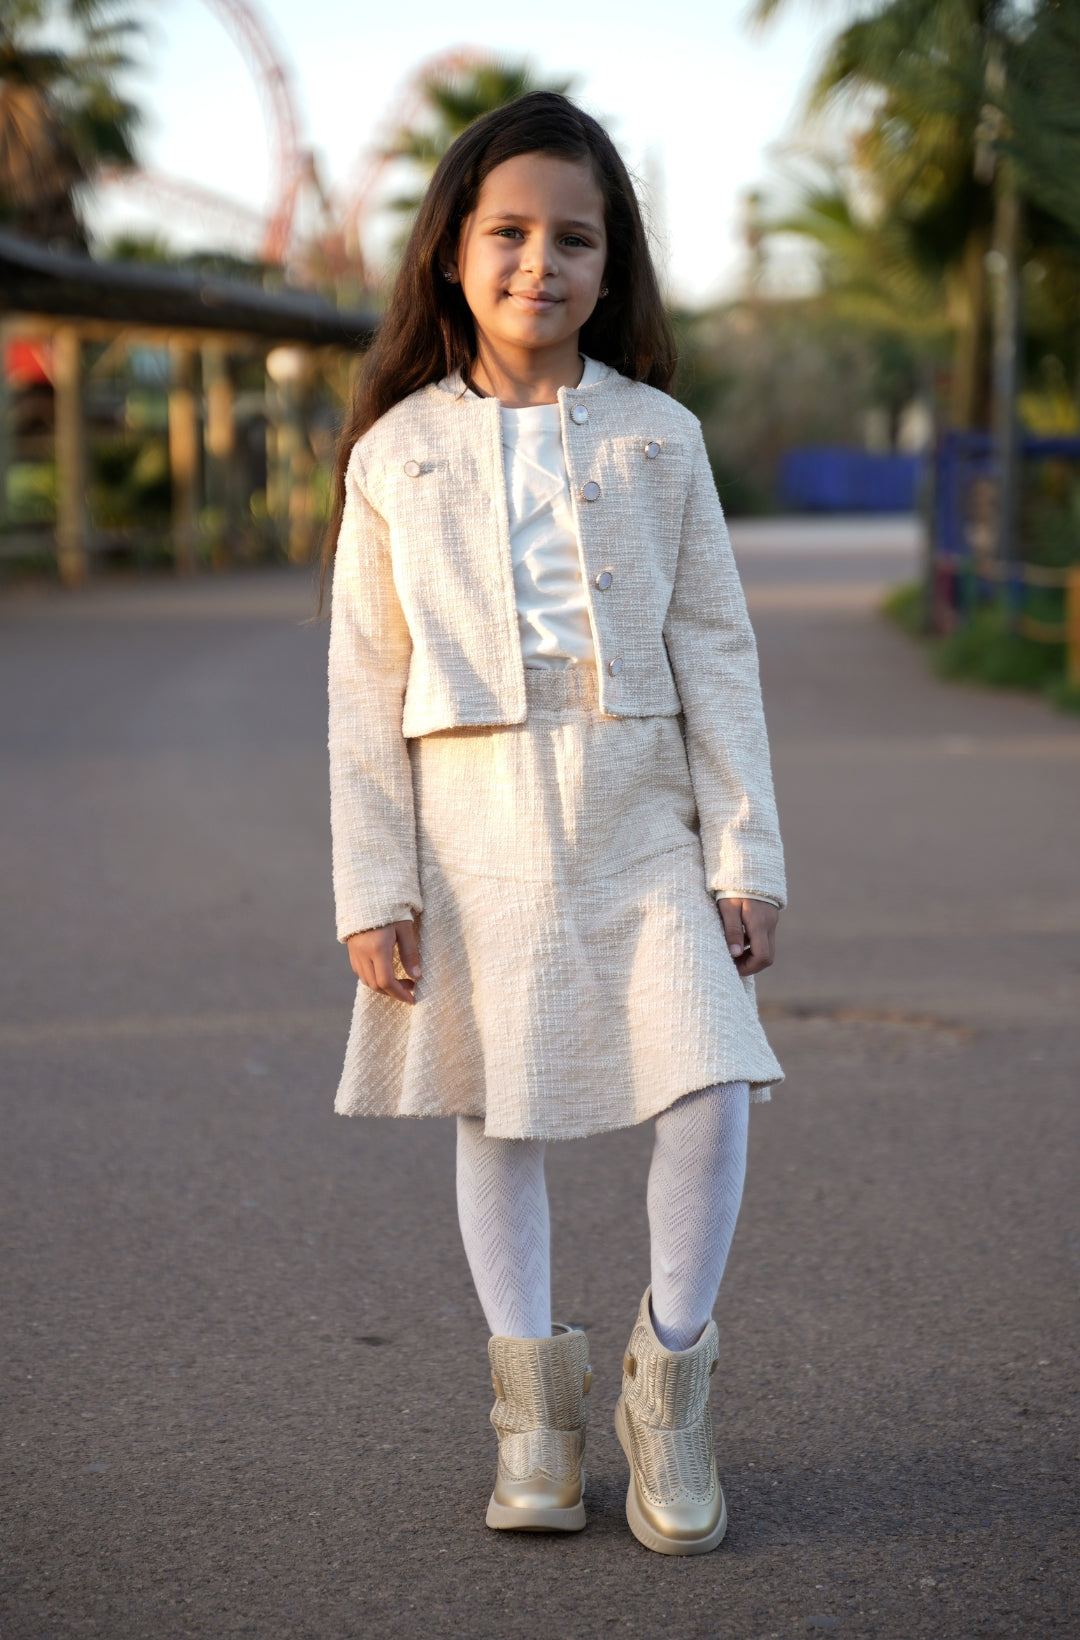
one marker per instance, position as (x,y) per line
(520,378)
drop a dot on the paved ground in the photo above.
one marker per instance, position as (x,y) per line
(245,1384)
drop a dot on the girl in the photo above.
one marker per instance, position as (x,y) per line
(556,857)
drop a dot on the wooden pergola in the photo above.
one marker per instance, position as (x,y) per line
(202,322)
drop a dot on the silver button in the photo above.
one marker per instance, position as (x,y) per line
(590,491)
(603,580)
(652,448)
(413,469)
(615,666)
(579,414)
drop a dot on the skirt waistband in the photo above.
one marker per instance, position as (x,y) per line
(562,689)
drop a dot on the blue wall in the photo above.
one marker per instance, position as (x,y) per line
(829,478)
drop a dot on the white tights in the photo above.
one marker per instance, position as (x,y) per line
(695,1188)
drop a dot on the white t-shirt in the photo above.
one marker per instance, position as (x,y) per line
(553,614)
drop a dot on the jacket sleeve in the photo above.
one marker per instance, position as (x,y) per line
(713,655)
(376,878)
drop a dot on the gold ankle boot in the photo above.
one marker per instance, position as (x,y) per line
(674,1504)
(539,1414)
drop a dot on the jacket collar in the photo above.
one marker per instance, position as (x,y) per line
(601,374)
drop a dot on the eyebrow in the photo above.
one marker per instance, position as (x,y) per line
(515,216)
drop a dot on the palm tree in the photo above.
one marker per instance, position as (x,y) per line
(1042,111)
(950,91)
(61,113)
(451,104)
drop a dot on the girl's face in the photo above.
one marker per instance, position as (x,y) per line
(531,256)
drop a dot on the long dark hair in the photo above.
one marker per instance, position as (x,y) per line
(427,332)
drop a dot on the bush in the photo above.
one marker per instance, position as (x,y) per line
(31,492)
(1065,695)
(985,651)
(906,607)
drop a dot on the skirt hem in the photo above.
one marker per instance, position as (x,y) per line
(760,1094)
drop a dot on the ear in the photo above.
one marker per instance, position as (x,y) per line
(448,262)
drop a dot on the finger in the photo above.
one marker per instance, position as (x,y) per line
(760,929)
(408,947)
(731,915)
(385,978)
(361,966)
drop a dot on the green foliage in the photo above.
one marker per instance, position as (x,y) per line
(1042,106)
(766,376)
(129,480)
(877,273)
(451,106)
(1052,516)
(985,651)
(905,606)
(1065,695)
(31,493)
(61,112)
(945,93)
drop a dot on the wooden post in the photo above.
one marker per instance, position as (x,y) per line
(1007,323)
(183,457)
(220,442)
(6,430)
(301,475)
(70,450)
(290,369)
(1072,626)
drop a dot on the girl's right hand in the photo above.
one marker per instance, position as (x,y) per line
(372,957)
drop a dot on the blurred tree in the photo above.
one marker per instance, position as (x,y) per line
(940,94)
(766,376)
(61,112)
(1041,103)
(450,106)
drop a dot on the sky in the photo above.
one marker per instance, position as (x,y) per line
(697,101)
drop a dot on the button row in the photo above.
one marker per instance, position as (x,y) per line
(589,491)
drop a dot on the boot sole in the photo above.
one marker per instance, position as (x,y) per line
(503,1517)
(648,1535)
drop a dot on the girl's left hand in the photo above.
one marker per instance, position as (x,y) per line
(750,926)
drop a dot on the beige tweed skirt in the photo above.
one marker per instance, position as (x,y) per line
(575,975)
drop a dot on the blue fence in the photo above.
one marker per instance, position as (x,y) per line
(965,460)
(966,570)
(830,478)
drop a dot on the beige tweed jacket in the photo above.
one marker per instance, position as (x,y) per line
(424,631)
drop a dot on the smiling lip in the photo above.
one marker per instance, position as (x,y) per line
(534,298)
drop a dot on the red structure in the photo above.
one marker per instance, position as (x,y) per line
(292,161)
(274,78)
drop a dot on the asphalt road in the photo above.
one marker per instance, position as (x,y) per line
(245,1385)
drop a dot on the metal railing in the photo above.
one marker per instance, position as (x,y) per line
(966,572)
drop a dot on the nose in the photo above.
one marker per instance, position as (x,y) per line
(539,256)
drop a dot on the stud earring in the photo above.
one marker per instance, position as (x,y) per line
(603,290)
(448,274)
